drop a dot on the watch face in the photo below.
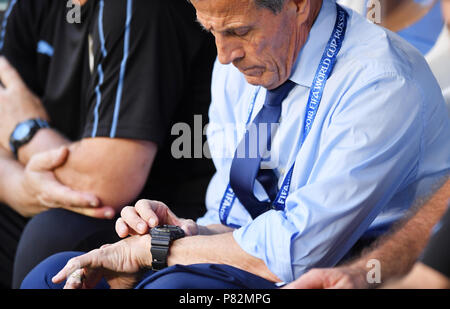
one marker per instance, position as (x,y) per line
(166,230)
(22,132)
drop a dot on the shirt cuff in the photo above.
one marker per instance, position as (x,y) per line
(269,238)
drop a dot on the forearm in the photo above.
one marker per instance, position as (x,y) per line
(217,249)
(9,169)
(399,251)
(114,170)
(44,140)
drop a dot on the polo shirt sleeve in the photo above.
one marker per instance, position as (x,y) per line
(368,150)
(18,39)
(139,69)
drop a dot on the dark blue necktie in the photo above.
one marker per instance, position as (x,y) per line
(245,168)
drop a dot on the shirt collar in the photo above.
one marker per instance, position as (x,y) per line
(308,60)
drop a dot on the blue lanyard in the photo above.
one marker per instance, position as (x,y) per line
(315,97)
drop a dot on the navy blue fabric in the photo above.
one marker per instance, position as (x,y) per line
(198,276)
(245,168)
(55,231)
(204,276)
(41,276)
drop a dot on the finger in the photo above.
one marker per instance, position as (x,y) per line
(75,280)
(58,195)
(8,74)
(133,220)
(163,214)
(76,263)
(149,211)
(48,161)
(122,228)
(106,212)
(189,227)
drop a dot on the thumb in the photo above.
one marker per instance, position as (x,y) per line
(50,160)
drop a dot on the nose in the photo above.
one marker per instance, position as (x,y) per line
(228,50)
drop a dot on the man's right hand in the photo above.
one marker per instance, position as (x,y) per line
(148,214)
(344,277)
(39,190)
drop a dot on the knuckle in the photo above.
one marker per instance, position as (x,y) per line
(142,204)
(126,211)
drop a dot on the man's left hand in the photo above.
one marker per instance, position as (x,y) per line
(120,264)
(17,102)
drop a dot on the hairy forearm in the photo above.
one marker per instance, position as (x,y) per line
(399,251)
(114,170)
(217,249)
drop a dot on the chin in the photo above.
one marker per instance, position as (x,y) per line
(261,81)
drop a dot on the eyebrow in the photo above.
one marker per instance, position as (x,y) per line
(201,25)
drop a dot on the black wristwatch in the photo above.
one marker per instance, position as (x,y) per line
(24,133)
(162,236)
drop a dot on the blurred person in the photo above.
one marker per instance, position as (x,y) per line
(439,56)
(420,22)
(398,254)
(338,174)
(107,87)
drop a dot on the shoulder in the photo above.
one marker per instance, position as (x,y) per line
(371,53)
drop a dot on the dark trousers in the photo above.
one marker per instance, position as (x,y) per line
(11,227)
(199,276)
(53,231)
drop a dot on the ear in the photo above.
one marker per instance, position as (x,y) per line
(303,9)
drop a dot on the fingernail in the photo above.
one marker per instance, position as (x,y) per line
(152,222)
(141,227)
(93,203)
(123,231)
(109,214)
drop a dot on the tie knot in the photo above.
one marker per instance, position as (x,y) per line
(276,96)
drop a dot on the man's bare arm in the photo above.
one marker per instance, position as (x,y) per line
(114,170)
(399,251)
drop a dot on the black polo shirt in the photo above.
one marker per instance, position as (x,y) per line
(120,69)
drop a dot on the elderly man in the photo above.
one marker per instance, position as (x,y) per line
(336,173)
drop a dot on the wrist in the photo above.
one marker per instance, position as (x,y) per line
(144,256)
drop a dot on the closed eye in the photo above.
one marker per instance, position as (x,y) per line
(241,31)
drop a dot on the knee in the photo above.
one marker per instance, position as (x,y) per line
(41,276)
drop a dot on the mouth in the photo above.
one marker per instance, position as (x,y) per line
(254,71)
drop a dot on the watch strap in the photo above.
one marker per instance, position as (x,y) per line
(160,251)
(35,126)
(160,244)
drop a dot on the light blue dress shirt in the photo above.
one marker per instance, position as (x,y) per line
(380,139)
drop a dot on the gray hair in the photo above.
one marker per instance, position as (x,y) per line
(274,5)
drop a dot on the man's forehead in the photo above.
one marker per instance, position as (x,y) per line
(222,12)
